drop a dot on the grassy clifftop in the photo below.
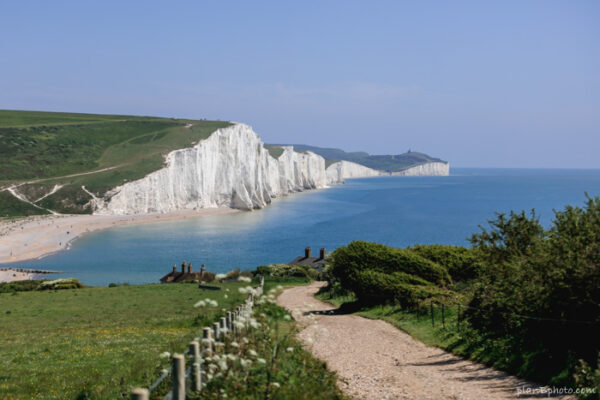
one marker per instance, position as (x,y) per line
(40,150)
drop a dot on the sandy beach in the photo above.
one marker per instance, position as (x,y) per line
(35,237)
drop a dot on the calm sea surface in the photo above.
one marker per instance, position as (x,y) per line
(397,211)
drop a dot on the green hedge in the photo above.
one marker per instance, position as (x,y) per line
(377,273)
(461,262)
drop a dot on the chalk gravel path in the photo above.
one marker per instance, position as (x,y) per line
(374,360)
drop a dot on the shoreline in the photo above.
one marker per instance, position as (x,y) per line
(40,236)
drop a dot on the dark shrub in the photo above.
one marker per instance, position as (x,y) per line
(462,263)
(378,273)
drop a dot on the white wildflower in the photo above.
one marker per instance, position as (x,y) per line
(220,277)
(234,344)
(289,349)
(261,360)
(201,303)
(276,384)
(225,296)
(287,317)
(252,353)
(254,324)
(245,363)
(244,279)
(245,340)
(223,365)
(166,354)
(238,324)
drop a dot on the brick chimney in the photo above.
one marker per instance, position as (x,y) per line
(183,267)
(202,270)
(174,268)
(189,268)
(307,252)
(322,255)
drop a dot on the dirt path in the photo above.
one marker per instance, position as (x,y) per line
(374,360)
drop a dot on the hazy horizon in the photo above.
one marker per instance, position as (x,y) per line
(480,85)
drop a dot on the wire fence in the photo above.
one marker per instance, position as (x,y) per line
(443,310)
(194,378)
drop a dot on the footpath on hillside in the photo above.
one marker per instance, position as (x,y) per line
(374,360)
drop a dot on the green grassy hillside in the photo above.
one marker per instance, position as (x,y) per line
(39,150)
(392,163)
(100,342)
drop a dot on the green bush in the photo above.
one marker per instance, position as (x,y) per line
(377,273)
(404,289)
(462,263)
(287,271)
(539,291)
(58,284)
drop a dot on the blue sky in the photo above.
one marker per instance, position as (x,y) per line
(478,83)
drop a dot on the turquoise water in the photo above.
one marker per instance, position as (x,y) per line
(398,211)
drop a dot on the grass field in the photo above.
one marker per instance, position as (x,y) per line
(47,149)
(100,342)
(97,342)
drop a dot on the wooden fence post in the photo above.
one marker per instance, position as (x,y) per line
(432,320)
(443,317)
(223,327)
(230,321)
(140,394)
(178,377)
(206,336)
(196,378)
(216,331)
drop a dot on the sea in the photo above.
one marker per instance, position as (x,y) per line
(396,211)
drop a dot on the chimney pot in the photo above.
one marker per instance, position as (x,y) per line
(183,267)
(189,268)
(307,252)
(174,268)
(322,255)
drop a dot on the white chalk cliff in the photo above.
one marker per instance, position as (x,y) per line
(231,168)
(427,169)
(338,171)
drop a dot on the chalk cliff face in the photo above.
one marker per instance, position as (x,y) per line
(231,168)
(341,170)
(428,169)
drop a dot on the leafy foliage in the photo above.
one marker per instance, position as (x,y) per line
(540,290)
(462,263)
(377,273)
(287,271)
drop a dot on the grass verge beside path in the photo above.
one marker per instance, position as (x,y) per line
(267,362)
